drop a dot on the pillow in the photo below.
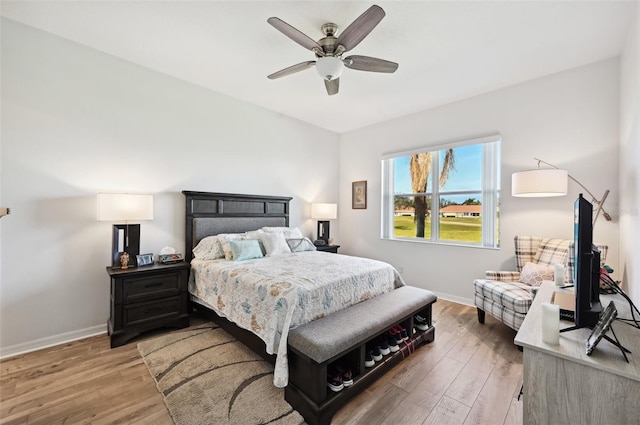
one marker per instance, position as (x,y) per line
(533,274)
(275,244)
(255,234)
(225,240)
(288,232)
(299,245)
(208,248)
(245,249)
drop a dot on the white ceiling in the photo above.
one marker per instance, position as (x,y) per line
(447,51)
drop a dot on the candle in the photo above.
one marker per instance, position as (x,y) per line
(558,274)
(551,323)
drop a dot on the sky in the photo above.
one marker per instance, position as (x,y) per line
(467,174)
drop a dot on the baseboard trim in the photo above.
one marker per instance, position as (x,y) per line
(455,299)
(51,341)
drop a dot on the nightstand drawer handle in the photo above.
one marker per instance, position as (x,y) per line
(151,285)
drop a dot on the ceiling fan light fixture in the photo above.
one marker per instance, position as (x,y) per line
(329,67)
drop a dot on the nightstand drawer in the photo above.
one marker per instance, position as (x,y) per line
(141,313)
(150,287)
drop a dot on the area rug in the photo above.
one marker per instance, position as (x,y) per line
(208,377)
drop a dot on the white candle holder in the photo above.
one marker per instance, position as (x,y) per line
(558,274)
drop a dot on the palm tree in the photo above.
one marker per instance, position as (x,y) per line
(420,170)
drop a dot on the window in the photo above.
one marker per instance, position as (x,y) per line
(461,207)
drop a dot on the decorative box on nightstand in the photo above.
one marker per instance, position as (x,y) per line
(328,248)
(145,298)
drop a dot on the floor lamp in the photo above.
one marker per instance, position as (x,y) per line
(126,237)
(552,181)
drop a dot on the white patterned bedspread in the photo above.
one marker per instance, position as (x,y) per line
(270,295)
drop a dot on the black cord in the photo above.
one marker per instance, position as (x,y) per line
(614,286)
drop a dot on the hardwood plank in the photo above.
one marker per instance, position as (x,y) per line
(492,403)
(417,406)
(468,384)
(371,407)
(447,412)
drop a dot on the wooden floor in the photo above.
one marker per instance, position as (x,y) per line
(470,374)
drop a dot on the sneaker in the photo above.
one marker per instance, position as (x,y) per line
(368,358)
(375,351)
(334,380)
(420,322)
(394,332)
(403,332)
(393,343)
(347,376)
(384,347)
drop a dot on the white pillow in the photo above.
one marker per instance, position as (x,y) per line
(533,274)
(300,245)
(288,232)
(275,244)
(226,247)
(208,248)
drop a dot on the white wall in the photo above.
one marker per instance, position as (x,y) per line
(76,122)
(630,159)
(569,119)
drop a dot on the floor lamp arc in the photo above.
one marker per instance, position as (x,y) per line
(553,181)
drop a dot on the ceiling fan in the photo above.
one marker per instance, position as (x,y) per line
(328,50)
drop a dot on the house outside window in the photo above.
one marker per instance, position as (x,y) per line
(462,207)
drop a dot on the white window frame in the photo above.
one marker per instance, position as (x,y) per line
(490,192)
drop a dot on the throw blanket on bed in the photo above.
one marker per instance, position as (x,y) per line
(270,295)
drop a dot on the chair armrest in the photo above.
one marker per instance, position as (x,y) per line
(503,276)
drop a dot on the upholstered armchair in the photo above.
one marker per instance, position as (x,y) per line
(507,295)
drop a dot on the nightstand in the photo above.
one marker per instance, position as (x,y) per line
(145,298)
(328,248)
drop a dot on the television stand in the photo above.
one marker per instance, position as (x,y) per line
(562,384)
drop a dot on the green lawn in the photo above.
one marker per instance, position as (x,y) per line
(451,228)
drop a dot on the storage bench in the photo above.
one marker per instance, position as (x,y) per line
(343,336)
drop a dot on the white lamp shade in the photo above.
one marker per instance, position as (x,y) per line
(324,211)
(125,207)
(329,67)
(540,183)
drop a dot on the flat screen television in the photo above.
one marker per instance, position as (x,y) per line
(587,267)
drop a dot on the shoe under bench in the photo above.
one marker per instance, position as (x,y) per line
(342,337)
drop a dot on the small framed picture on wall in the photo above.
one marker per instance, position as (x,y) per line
(359,195)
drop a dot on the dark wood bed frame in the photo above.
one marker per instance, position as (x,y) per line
(214,213)
(209,214)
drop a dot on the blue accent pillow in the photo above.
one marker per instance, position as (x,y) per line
(245,249)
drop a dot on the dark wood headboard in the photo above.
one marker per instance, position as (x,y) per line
(210,213)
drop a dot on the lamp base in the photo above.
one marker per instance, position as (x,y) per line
(126,240)
(323,231)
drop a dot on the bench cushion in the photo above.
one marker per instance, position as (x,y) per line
(329,336)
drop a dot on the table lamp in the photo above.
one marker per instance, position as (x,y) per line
(126,237)
(323,213)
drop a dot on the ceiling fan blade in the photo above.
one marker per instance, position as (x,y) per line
(294,34)
(367,63)
(360,28)
(332,86)
(291,70)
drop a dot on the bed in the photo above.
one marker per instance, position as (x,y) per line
(259,300)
